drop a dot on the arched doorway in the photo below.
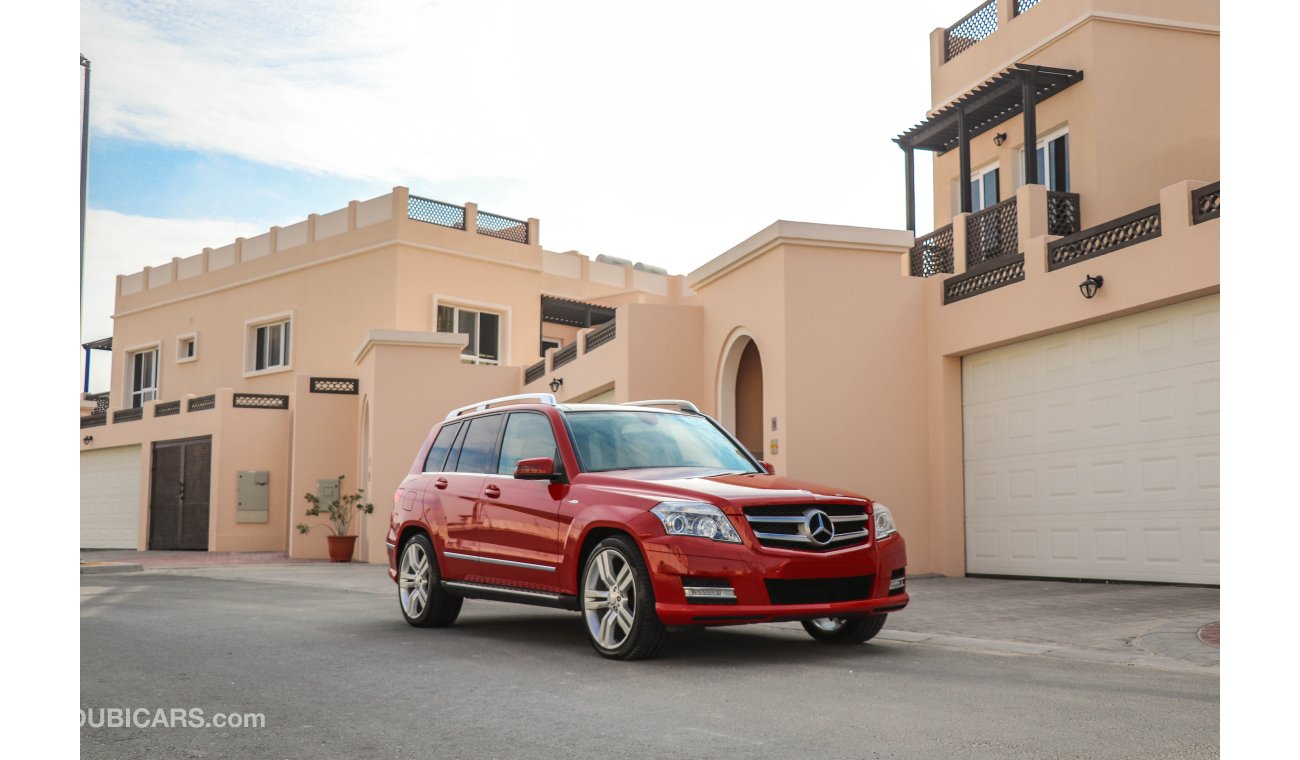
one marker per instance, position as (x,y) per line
(740,392)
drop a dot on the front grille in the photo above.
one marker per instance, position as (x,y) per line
(819,590)
(784,526)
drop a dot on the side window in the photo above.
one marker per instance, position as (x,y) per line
(479,447)
(527,435)
(441,445)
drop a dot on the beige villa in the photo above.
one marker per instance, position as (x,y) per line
(1032,387)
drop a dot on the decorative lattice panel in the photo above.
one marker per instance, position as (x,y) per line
(503,227)
(988,276)
(1062,213)
(1105,238)
(128,415)
(1205,203)
(167,408)
(600,336)
(342,385)
(992,234)
(932,253)
(535,372)
(977,25)
(101,402)
(94,420)
(564,356)
(200,403)
(435,212)
(1024,5)
(260,401)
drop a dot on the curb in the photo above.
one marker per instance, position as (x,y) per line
(102,568)
(1048,650)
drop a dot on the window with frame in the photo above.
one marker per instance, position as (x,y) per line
(187,348)
(1053,157)
(269,345)
(142,376)
(479,446)
(437,457)
(984,188)
(481,328)
(528,435)
(548,343)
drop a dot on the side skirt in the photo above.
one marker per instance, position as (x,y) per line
(506,594)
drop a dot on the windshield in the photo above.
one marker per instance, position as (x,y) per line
(637,440)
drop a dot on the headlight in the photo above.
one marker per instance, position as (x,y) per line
(884,521)
(693,518)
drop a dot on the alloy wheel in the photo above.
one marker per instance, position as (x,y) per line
(609,598)
(414,578)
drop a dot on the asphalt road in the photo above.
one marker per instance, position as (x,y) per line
(338,674)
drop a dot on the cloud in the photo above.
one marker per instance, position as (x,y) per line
(122,244)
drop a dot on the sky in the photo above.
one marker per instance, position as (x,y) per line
(662,133)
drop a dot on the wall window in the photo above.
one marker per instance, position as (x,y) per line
(1053,156)
(142,376)
(269,344)
(187,348)
(549,343)
(481,328)
(983,189)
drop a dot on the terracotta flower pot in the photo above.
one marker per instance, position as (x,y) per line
(341,547)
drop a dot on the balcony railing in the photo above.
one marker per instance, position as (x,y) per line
(128,415)
(932,253)
(200,403)
(435,212)
(991,233)
(1205,203)
(1105,238)
(1024,5)
(1062,213)
(599,337)
(101,402)
(503,227)
(973,27)
(564,355)
(535,372)
(166,408)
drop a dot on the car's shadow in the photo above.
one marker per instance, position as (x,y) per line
(548,633)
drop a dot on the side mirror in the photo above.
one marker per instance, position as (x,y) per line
(771,469)
(536,468)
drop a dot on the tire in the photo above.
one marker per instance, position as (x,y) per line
(420,595)
(618,603)
(845,630)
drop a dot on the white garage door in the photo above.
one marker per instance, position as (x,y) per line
(110,498)
(1094,453)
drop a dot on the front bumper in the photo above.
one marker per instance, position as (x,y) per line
(673,558)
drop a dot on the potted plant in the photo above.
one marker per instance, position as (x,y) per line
(340,513)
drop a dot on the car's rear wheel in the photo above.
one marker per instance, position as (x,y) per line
(845,630)
(424,603)
(618,605)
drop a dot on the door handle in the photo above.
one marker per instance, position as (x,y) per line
(440,483)
(492,491)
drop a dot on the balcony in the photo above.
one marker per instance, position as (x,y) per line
(979,24)
(994,234)
(589,340)
(994,242)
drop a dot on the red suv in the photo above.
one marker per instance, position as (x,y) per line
(641,516)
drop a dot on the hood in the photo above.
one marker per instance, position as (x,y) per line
(694,483)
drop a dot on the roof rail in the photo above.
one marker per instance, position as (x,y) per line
(541,398)
(681,404)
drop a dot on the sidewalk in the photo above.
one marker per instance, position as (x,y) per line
(1168,627)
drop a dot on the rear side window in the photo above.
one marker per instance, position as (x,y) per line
(528,435)
(476,453)
(441,445)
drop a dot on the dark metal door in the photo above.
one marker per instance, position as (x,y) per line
(178,494)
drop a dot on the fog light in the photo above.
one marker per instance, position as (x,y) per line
(708,591)
(897,580)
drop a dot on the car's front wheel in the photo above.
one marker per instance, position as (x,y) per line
(618,605)
(845,630)
(424,603)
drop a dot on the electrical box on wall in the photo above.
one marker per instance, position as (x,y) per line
(327,490)
(254,494)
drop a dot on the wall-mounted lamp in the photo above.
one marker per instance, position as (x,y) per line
(999,138)
(87,440)
(556,385)
(1091,285)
